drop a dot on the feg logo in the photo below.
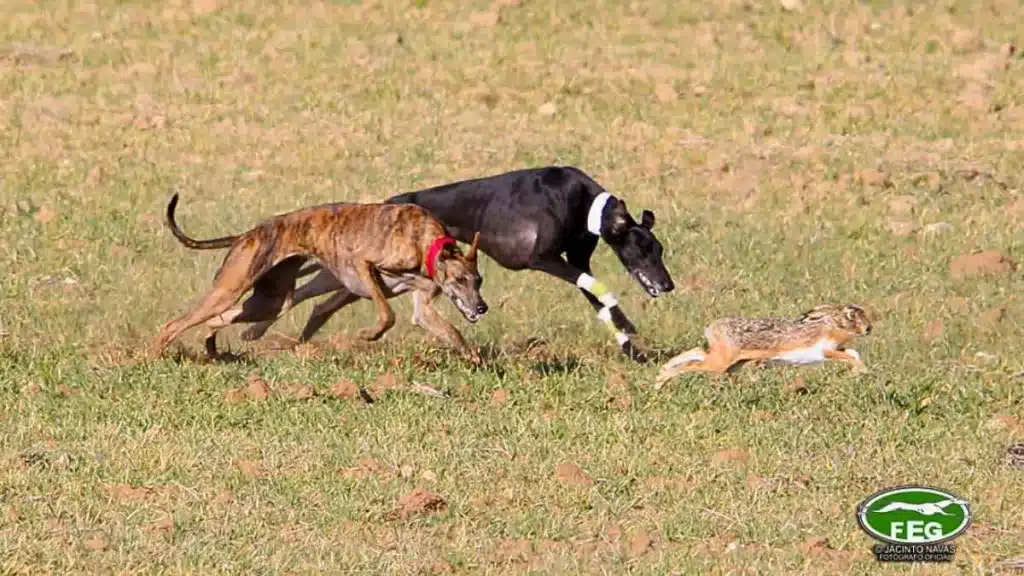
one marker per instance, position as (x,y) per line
(913,521)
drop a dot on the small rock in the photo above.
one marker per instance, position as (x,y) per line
(937,228)
(547,109)
(791,5)
(1008,50)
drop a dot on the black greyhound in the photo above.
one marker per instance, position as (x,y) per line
(529,219)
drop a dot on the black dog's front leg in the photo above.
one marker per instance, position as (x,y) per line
(599,292)
(580,259)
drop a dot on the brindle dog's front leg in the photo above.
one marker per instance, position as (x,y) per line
(425,316)
(385,315)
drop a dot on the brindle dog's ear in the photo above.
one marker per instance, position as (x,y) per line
(471,255)
(647,219)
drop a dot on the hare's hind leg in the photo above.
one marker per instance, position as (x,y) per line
(673,367)
(719,357)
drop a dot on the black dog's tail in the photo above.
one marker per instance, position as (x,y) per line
(406,198)
(224,242)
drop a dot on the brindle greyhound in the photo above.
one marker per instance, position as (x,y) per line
(546,219)
(374,251)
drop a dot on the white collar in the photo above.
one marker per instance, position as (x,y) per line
(596,212)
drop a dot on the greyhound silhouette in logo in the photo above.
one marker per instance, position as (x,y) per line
(926,509)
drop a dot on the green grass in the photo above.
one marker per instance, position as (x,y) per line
(751,131)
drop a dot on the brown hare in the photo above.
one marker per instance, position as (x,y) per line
(815,336)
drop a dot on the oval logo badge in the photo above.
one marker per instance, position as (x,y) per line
(914,515)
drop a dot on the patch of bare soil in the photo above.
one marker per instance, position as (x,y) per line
(986,264)
(573,475)
(730,456)
(499,397)
(127,492)
(419,501)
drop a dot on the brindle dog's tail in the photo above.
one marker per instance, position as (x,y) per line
(213,244)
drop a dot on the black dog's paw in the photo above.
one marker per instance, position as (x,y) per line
(622,323)
(634,353)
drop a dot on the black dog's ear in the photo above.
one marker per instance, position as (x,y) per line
(647,219)
(619,219)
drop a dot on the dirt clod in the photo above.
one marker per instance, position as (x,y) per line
(257,388)
(345,388)
(499,397)
(419,501)
(569,473)
(725,456)
(639,542)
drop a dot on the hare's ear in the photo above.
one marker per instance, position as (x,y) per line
(816,313)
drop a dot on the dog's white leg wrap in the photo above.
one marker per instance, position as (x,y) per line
(607,299)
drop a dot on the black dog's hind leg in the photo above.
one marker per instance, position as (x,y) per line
(598,292)
(581,259)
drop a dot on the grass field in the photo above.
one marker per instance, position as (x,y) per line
(794,153)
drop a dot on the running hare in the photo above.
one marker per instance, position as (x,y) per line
(815,336)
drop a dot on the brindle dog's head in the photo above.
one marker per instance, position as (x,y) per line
(637,247)
(457,275)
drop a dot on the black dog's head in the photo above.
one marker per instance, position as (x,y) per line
(636,246)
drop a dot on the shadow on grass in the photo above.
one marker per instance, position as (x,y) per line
(181,355)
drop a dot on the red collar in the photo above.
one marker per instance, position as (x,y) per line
(435,250)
